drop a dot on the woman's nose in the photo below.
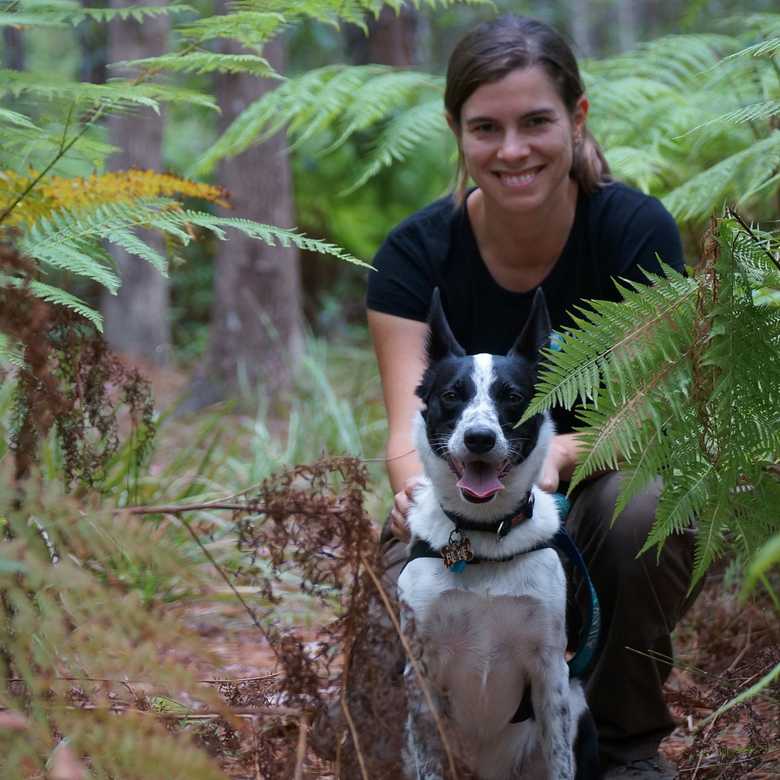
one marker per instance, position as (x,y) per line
(514,146)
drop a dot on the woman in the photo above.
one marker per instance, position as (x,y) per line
(544,212)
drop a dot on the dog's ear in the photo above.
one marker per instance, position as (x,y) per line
(441,343)
(536,333)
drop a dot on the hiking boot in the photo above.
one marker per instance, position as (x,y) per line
(657,768)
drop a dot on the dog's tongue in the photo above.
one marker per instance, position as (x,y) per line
(480,479)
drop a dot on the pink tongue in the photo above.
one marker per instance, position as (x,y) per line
(480,479)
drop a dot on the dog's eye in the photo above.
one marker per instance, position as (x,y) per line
(449,396)
(515,398)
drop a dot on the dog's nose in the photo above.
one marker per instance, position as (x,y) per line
(479,440)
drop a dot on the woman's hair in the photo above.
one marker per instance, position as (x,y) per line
(496,48)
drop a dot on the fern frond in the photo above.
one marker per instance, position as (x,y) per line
(754,112)
(269,234)
(749,170)
(380,96)
(66,618)
(403,135)
(31,13)
(251,29)
(679,381)
(763,48)
(62,298)
(619,430)
(18,83)
(133,245)
(80,259)
(17,119)
(205,62)
(337,99)
(631,336)
(75,193)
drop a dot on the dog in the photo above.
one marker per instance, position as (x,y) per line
(491,638)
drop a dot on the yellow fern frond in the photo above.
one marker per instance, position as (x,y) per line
(57,192)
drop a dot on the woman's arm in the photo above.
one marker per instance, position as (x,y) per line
(399,345)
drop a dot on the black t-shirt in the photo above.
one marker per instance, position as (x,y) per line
(617,230)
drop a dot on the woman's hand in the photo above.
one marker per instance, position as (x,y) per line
(401,503)
(560,462)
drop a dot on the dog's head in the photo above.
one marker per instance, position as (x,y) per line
(472,404)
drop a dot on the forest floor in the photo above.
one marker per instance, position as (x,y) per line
(722,648)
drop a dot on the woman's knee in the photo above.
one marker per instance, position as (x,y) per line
(615,538)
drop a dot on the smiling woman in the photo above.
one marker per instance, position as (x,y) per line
(544,214)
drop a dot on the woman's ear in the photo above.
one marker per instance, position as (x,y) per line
(580,113)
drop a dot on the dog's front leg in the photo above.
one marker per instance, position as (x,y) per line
(551,700)
(424,759)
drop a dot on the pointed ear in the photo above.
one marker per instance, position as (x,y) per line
(441,342)
(536,333)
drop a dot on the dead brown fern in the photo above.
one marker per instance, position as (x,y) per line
(68,381)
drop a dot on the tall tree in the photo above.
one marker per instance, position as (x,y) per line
(136,319)
(391,38)
(257,321)
(13,48)
(580,27)
(628,13)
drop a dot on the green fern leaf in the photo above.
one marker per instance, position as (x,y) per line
(135,246)
(61,298)
(403,135)
(269,234)
(205,62)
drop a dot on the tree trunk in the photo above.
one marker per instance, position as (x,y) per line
(580,27)
(13,48)
(628,12)
(391,39)
(136,319)
(257,322)
(93,43)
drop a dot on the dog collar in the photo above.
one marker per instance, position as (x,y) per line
(500,527)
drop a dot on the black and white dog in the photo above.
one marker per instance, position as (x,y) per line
(493,635)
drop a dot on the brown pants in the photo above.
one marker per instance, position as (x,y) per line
(642,599)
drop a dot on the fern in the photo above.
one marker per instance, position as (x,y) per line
(403,134)
(679,380)
(68,615)
(269,234)
(205,62)
(70,12)
(336,98)
(63,298)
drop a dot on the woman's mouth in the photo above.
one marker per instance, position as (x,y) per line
(518,180)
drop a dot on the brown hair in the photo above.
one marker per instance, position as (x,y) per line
(496,48)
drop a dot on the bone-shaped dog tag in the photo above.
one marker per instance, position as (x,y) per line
(458,552)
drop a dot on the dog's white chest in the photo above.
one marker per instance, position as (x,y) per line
(484,631)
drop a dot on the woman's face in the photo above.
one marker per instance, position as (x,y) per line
(517,139)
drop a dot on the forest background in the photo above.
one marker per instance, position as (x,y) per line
(258,355)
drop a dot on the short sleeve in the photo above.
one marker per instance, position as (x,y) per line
(402,280)
(648,234)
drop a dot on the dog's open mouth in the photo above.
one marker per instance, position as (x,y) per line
(479,480)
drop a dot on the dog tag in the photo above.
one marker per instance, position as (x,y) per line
(458,552)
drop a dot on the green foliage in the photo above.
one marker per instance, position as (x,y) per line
(678,380)
(72,633)
(60,13)
(690,118)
